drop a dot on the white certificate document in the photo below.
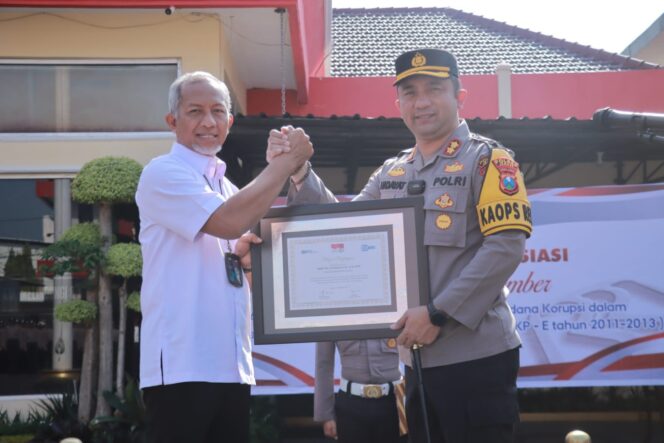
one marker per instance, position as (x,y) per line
(339,271)
(338,274)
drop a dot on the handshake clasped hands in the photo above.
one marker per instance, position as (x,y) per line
(293,146)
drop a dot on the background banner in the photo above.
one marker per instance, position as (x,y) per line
(588,297)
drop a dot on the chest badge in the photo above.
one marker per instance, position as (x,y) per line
(508,169)
(443,222)
(444,201)
(454,167)
(452,148)
(396,172)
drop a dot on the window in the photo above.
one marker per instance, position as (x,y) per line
(73,97)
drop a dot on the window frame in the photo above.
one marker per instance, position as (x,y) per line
(77,135)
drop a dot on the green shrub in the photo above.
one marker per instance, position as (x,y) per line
(107,179)
(79,249)
(124,260)
(134,301)
(76,311)
(17,428)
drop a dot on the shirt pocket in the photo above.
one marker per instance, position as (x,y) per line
(445,217)
(386,348)
(348,347)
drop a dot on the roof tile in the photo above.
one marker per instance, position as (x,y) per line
(367,41)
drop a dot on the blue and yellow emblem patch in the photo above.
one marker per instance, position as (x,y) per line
(503,203)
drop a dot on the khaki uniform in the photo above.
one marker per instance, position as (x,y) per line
(467,270)
(362,414)
(362,361)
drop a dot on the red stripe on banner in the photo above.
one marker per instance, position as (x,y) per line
(538,370)
(303,376)
(610,190)
(634,362)
(577,367)
(270,383)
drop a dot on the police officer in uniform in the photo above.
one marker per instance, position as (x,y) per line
(476,223)
(365,409)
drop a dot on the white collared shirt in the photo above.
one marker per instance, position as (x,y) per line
(196,325)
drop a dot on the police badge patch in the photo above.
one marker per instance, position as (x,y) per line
(443,222)
(396,172)
(454,167)
(444,201)
(508,169)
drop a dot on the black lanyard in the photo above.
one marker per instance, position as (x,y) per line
(231,261)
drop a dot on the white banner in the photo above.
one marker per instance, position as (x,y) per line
(588,296)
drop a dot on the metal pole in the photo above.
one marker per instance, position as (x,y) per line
(417,365)
(63,336)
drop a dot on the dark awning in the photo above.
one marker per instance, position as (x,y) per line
(542,146)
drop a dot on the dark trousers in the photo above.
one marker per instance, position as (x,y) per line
(197,413)
(469,402)
(366,420)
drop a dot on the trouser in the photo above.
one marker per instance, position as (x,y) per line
(366,420)
(197,412)
(469,402)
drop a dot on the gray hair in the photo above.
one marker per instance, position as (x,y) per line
(175,91)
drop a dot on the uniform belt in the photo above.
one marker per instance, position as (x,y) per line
(368,390)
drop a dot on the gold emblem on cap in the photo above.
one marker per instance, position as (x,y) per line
(391,343)
(418,60)
(443,221)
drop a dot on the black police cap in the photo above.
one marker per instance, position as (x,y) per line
(432,62)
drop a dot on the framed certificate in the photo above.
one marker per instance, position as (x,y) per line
(339,271)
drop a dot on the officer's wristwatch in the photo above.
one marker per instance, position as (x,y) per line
(436,317)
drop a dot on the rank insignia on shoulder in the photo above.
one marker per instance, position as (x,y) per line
(444,201)
(451,148)
(443,221)
(396,172)
(508,169)
(482,165)
(454,167)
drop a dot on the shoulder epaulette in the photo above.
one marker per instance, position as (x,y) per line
(404,152)
(491,143)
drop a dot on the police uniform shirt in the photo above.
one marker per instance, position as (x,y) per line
(196,325)
(467,270)
(374,361)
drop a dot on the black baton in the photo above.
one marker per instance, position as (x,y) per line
(417,365)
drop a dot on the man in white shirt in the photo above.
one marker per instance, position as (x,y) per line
(196,368)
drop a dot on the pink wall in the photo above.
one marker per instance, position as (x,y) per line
(579,95)
(533,95)
(312,14)
(367,96)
